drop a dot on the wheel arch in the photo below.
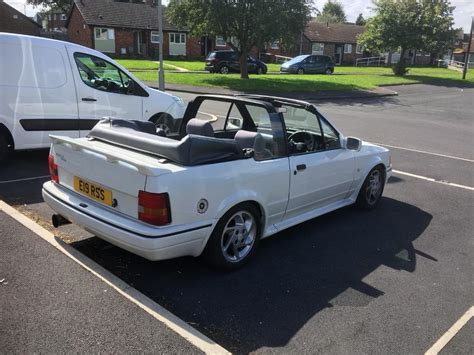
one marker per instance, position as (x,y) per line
(4,130)
(229,206)
(374,164)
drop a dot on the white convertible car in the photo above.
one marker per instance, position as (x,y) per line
(240,169)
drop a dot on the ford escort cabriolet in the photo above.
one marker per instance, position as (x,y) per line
(241,168)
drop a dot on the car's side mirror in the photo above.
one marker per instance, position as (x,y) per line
(353,143)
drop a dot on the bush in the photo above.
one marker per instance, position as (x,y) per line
(400,69)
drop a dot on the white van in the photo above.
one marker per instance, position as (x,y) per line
(54,87)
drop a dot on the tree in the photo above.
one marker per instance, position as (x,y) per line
(242,23)
(361,21)
(63,5)
(333,12)
(409,24)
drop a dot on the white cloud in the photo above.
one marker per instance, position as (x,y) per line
(462,14)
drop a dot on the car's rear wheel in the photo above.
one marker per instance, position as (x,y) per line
(260,71)
(224,69)
(235,238)
(372,188)
(5,147)
(300,71)
(329,71)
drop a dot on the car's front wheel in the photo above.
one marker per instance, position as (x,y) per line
(235,238)
(329,71)
(372,189)
(260,71)
(300,71)
(164,121)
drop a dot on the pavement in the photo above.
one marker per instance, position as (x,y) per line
(304,95)
(392,280)
(50,304)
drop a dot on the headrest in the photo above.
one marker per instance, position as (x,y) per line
(245,139)
(199,127)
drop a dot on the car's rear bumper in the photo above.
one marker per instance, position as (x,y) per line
(153,243)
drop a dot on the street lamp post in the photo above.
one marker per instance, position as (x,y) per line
(161,73)
(466,57)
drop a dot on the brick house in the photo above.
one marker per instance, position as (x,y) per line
(127,29)
(56,21)
(14,21)
(337,40)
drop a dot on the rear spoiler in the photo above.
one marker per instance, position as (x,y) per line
(110,157)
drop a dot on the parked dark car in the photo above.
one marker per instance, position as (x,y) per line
(308,64)
(225,62)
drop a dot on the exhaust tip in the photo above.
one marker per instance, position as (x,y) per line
(59,221)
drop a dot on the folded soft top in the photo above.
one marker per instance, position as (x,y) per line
(141,136)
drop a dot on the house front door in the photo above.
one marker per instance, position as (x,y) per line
(338,54)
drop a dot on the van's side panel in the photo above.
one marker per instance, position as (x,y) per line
(37,94)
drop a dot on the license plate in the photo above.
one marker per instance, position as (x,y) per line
(93,190)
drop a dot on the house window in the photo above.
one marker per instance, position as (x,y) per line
(104,39)
(63,17)
(49,17)
(359,49)
(220,41)
(275,45)
(177,38)
(155,37)
(347,48)
(317,48)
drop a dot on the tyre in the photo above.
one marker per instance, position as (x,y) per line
(260,71)
(329,71)
(300,71)
(164,121)
(235,238)
(5,147)
(371,191)
(224,69)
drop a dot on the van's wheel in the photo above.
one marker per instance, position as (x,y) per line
(224,69)
(300,71)
(235,238)
(371,191)
(163,121)
(5,147)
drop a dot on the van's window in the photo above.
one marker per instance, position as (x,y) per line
(101,75)
(42,67)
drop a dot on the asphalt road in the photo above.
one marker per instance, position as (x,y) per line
(388,281)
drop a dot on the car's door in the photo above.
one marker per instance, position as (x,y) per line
(251,65)
(324,174)
(102,91)
(319,64)
(234,62)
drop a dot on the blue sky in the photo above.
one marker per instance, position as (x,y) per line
(462,15)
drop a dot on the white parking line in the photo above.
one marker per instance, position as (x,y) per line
(445,339)
(425,152)
(148,305)
(434,180)
(24,179)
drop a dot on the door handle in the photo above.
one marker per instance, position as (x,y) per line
(301,167)
(89,99)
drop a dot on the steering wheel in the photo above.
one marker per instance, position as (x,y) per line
(305,140)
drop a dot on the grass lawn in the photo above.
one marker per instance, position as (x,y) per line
(349,78)
(141,64)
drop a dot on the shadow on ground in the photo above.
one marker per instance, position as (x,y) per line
(23,175)
(296,274)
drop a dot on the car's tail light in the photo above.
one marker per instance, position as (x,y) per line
(53,169)
(154,208)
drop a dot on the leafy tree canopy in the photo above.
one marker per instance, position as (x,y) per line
(361,21)
(243,23)
(333,12)
(48,5)
(410,24)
